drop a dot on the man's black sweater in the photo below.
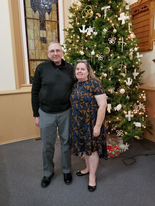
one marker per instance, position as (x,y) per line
(51,87)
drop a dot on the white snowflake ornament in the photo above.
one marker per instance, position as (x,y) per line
(137,124)
(123,18)
(129,115)
(124,147)
(83,30)
(118,107)
(129,81)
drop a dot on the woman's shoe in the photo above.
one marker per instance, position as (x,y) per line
(79,173)
(91,188)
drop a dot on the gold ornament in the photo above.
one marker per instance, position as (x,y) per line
(107,50)
(87,12)
(69,40)
(98,15)
(132,35)
(137,137)
(130,56)
(123,74)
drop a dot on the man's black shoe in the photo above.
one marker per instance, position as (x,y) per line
(68,178)
(46,181)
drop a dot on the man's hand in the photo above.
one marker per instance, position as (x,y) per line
(36,121)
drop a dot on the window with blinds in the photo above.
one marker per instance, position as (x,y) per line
(143,20)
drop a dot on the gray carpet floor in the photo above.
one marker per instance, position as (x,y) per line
(117,184)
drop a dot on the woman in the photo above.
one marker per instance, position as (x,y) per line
(89,103)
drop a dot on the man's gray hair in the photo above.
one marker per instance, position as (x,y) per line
(55,42)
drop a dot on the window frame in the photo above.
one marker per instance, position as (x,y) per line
(24,35)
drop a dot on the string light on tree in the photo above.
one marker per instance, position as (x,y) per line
(104,74)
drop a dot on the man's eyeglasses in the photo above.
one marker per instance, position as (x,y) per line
(55,51)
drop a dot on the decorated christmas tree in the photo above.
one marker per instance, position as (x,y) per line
(102,33)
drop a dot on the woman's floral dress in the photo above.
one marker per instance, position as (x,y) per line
(83,118)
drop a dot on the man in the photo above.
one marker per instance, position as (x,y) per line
(52,84)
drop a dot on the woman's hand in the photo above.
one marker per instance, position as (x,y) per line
(102,104)
(96,131)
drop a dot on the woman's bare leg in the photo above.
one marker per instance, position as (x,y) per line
(86,170)
(93,161)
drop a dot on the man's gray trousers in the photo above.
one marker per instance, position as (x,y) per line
(48,124)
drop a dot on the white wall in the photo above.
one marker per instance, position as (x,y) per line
(149,67)
(147,64)
(7,78)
